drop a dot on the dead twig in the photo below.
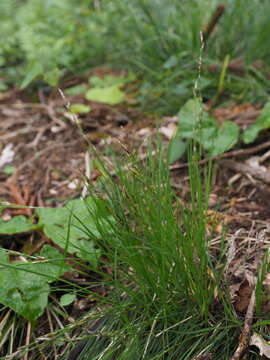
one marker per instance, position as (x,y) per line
(248,170)
(227,155)
(40,133)
(245,335)
(27,340)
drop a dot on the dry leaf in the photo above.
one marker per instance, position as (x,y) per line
(254,162)
(243,298)
(168,131)
(261,344)
(144,132)
(7,155)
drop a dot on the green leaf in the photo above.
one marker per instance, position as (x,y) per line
(55,266)
(24,286)
(72,227)
(109,80)
(190,117)
(262,123)
(203,82)
(206,136)
(250,134)
(18,224)
(52,76)
(76,90)
(196,124)
(171,62)
(111,95)
(67,299)
(264,118)
(79,109)
(31,75)
(3,86)
(97,81)
(177,148)
(227,137)
(9,170)
(88,252)
(25,293)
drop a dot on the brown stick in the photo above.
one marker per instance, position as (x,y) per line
(245,335)
(27,340)
(247,169)
(227,155)
(208,28)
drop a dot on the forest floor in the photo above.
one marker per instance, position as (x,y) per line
(48,168)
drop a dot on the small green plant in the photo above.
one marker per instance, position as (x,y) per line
(108,89)
(197,125)
(79,109)
(262,123)
(25,285)
(163,277)
(111,95)
(64,227)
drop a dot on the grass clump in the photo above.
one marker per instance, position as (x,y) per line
(163,300)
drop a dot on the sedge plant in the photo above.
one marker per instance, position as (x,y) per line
(163,299)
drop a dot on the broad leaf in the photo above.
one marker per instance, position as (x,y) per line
(262,123)
(31,75)
(24,286)
(189,116)
(206,136)
(79,109)
(111,95)
(18,224)
(227,137)
(52,76)
(76,90)
(67,299)
(177,148)
(109,80)
(250,134)
(74,226)
(264,118)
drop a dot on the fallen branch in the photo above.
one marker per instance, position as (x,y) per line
(227,155)
(248,170)
(245,335)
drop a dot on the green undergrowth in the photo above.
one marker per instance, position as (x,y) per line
(195,124)
(159,40)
